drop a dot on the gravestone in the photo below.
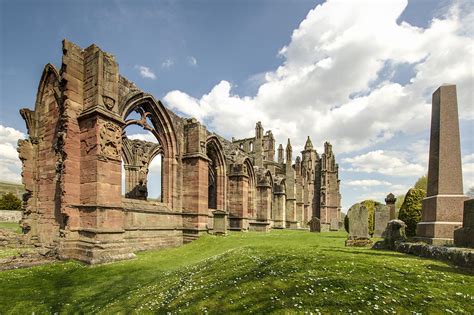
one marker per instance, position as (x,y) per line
(464,237)
(382,216)
(334,224)
(220,222)
(393,234)
(442,210)
(358,216)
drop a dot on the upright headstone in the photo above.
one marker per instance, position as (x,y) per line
(464,237)
(393,234)
(442,209)
(334,225)
(220,222)
(390,201)
(382,216)
(358,216)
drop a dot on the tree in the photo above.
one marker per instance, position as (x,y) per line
(10,202)
(410,212)
(422,183)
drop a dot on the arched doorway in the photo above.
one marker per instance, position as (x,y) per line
(216,174)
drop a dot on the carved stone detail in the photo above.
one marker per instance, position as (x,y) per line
(110,136)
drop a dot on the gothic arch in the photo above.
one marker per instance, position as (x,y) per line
(217,173)
(163,129)
(252,188)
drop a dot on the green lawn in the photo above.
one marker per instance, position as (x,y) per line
(280,272)
(11,226)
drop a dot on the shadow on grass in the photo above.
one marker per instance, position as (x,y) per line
(367,251)
(451,268)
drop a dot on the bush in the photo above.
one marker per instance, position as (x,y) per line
(410,212)
(10,202)
(370,205)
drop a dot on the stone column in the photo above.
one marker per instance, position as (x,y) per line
(264,202)
(443,206)
(195,181)
(390,202)
(279,205)
(238,197)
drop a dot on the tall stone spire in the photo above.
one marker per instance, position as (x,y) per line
(289,153)
(442,209)
(280,154)
(308,145)
(298,165)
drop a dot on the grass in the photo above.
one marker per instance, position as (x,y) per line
(278,272)
(11,226)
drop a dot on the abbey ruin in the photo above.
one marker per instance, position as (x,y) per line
(72,170)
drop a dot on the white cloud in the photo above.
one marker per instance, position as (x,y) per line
(366,183)
(155,166)
(143,136)
(167,63)
(192,61)
(10,164)
(384,162)
(146,72)
(330,83)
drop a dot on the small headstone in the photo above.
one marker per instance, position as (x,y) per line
(315,225)
(220,219)
(382,216)
(464,237)
(334,224)
(358,226)
(394,233)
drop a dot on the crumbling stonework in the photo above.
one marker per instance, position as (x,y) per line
(72,170)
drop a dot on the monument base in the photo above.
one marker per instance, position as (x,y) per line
(279,224)
(292,225)
(259,226)
(436,233)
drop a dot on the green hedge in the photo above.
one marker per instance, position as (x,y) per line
(410,212)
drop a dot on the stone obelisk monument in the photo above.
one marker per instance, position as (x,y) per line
(443,206)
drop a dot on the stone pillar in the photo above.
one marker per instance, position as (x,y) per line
(279,205)
(264,202)
(390,202)
(443,206)
(238,191)
(280,154)
(290,189)
(195,181)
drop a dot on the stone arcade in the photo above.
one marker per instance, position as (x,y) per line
(72,170)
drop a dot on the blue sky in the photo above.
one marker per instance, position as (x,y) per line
(230,63)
